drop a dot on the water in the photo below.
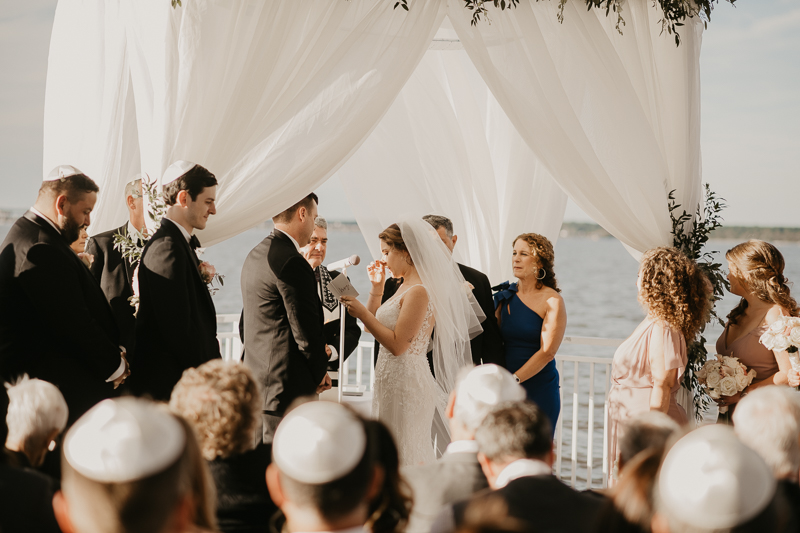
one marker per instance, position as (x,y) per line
(598,282)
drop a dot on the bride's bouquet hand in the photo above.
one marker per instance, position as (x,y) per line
(354,307)
(376,271)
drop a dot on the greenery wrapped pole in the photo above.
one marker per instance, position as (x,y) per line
(692,241)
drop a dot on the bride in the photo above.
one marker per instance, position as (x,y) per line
(407,398)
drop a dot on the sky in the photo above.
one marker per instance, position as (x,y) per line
(750,69)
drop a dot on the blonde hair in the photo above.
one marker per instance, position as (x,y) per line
(221,401)
(761,265)
(675,290)
(542,248)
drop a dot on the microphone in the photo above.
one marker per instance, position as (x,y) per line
(344,263)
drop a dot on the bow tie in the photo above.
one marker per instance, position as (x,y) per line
(194,242)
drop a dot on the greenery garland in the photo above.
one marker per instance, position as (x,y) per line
(675,11)
(692,241)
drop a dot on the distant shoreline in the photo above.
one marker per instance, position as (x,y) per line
(568,229)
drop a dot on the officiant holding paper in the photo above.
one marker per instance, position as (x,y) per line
(315,252)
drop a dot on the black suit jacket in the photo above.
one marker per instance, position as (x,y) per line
(352,334)
(284,343)
(176,326)
(486,347)
(55,322)
(542,502)
(114,273)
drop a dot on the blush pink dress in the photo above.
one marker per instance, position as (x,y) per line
(750,352)
(632,381)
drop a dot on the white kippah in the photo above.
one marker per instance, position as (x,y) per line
(485,387)
(123,440)
(319,442)
(176,170)
(62,171)
(711,480)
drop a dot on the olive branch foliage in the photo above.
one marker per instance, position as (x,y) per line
(675,11)
(690,235)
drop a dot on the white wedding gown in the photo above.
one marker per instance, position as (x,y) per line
(405,393)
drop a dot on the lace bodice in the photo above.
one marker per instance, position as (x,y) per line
(389,312)
(405,394)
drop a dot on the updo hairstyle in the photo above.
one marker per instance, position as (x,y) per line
(675,290)
(394,238)
(761,267)
(542,249)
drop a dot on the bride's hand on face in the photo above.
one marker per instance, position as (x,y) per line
(377,273)
(354,307)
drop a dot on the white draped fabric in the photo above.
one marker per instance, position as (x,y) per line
(615,118)
(270,96)
(446,147)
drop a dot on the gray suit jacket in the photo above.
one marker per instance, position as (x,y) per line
(454,477)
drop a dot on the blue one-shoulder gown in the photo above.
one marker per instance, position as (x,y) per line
(521,329)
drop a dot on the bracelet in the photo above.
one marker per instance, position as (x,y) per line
(373,294)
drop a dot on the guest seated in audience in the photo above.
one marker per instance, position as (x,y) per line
(390,510)
(127,468)
(221,401)
(315,252)
(651,429)
(457,474)
(532,320)
(37,414)
(323,476)
(25,495)
(768,421)
(516,454)
(648,367)
(642,446)
(755,272)
(710,482)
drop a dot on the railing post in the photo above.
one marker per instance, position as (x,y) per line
(589,446)
(574,456)
(604,484)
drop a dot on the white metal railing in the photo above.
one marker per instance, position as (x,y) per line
(584,385)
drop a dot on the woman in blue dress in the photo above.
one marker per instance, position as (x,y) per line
(532,320)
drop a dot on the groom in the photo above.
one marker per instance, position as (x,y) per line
(284,341)
(176,326)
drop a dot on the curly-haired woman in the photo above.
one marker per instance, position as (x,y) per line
(220,400)
(647,368)
(755,272)
(532,320)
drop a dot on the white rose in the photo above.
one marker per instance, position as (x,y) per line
(713,379)
(714,394)
(742,381)
(780,343)
(795,336)
(751,376)
(777,326)
(768,340)
(792,321)
(731,362)
(727,387)
(741,370)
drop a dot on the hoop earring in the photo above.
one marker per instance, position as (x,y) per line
(544,273)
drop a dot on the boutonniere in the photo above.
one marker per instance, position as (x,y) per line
(209,274)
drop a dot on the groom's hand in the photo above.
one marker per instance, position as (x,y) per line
(325,385)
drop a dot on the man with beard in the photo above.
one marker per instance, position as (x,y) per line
(55,321)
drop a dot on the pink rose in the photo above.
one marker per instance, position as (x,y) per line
(87,259)
(207,271)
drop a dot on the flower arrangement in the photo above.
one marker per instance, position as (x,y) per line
(724,376)
(784,335)
(208,273)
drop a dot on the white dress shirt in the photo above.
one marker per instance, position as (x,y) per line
(462,446)
(522,468)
